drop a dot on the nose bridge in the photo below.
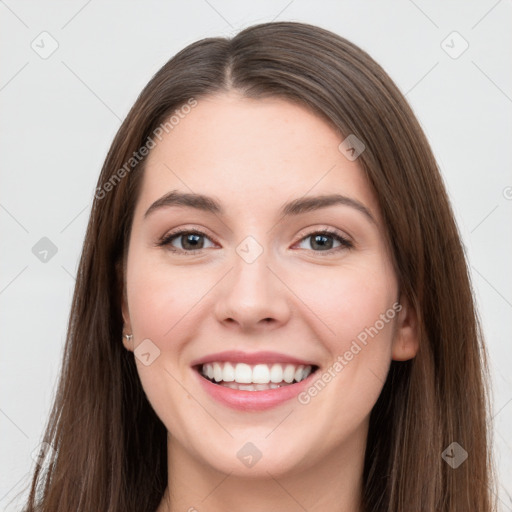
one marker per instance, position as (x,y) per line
(252,294)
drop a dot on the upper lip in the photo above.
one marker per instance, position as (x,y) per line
(237,356)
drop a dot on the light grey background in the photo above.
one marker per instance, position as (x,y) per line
(60,113)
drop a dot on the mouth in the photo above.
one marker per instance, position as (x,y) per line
(254,377)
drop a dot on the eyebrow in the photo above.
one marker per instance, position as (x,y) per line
(292,208)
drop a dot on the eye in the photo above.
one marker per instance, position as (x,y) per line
(191,240)
(323,241)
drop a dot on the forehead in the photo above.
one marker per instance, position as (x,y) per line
(252,153)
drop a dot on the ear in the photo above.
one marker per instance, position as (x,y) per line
(406,338)
(127,326)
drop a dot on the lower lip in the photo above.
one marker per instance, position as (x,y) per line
(253,400)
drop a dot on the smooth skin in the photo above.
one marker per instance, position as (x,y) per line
(297,297)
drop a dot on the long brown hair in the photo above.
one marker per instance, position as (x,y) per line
(109,447)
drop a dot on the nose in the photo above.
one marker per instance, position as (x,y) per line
(253,297)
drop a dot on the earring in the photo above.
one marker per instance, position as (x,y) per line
(128,337)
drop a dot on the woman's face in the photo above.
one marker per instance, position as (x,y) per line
(254,287)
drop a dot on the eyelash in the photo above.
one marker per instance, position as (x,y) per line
(167,239)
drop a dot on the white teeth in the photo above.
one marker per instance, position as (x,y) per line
(263,376)
(217,372)
(276,373)
(289,373)
(243,373)
(228,374)
(299,372)
(253,387)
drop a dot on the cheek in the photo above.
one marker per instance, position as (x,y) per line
(361,312)
(351,299)
(160,297)
(357,304)
(161,301)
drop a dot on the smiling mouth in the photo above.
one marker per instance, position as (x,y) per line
(254,377)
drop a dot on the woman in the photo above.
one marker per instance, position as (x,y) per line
(273,309)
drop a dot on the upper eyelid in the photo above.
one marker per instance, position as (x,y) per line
(306,232)
(179,231)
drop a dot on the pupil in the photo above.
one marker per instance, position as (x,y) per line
(323,245)
(191,239)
